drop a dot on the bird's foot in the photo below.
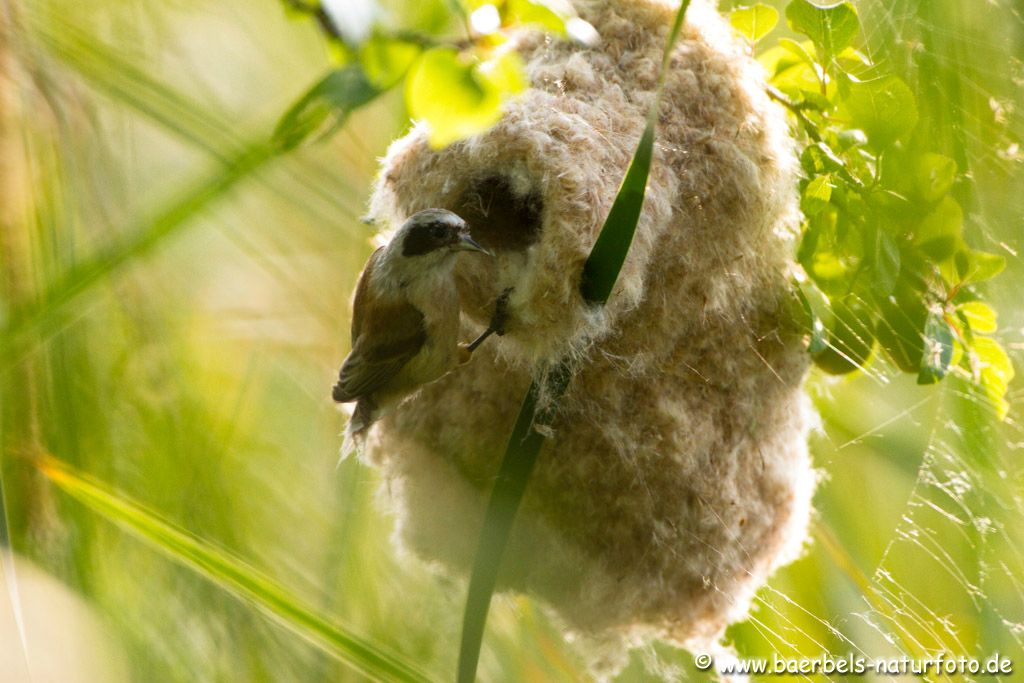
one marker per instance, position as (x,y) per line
(500,316)
(498,320)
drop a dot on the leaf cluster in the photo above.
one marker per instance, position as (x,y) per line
(457,85)
(884,259)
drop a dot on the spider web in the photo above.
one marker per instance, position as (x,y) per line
(949,578)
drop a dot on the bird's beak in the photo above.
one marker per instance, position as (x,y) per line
(467,243)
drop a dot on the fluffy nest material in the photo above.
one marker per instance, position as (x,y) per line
(676,476)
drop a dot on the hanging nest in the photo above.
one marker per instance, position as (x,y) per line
(676,476)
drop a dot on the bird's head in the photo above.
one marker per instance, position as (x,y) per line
(433,235)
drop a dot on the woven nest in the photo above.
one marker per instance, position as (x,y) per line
(676,475)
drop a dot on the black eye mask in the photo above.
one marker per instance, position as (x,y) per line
(428,237)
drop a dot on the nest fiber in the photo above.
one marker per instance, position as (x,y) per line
(676,476)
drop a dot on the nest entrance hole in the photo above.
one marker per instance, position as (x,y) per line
(498,217)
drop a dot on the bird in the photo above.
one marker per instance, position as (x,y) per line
(405,319)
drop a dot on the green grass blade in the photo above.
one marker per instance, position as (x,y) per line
(123,82)
(39,318)
(602,267)
(600,273)
(232,575)
(49,311)
(520,456)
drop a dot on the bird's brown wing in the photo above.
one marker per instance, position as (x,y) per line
(360,302)
(385,336)
(379,354)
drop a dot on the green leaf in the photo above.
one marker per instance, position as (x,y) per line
(796,73)
(818,314)
(829,254)
(819,158)
(884,108)
(386,60)
(900,330)
(893,203)
(800,82)
(851,338)
(977,266)
(504,73)
(754,22)
(458,98)
(830,28)
(939,233)
(816,195)
(800,51)
(535,13)
(231,575)
(979,316)
(855,62)
(884,259)
(850,138)
(337,94)
(933,176)
(994,372)
(524,444)
(938,347)
(830,271)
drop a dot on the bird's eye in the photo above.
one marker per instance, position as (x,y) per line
(437,231)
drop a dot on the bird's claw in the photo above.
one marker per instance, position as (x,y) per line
(498,320)
(500,316)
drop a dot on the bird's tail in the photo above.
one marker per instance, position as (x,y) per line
(359,424)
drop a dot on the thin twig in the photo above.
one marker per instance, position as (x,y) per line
(317,12)
(797,109)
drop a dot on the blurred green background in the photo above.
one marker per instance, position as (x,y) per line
(189,289)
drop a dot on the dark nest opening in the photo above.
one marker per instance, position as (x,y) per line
(498,217)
